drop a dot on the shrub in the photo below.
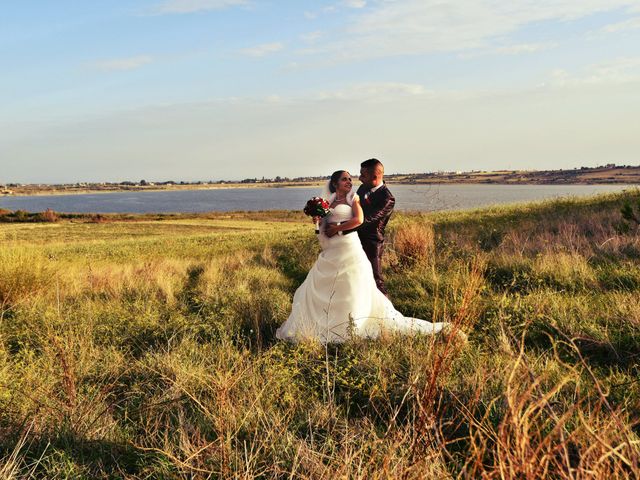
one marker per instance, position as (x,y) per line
(22,274)
(413,243)
(21,216)
(490,238)
(47,216)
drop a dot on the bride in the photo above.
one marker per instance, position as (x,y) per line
(339,298)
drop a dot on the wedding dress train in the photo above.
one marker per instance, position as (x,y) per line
(339,298)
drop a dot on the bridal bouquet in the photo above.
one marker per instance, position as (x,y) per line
(317,207)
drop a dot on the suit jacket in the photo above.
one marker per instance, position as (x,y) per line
(377,209)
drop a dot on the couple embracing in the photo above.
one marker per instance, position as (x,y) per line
(344,295)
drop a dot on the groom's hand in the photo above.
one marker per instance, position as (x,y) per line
(331,229)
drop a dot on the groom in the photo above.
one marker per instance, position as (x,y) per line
(377,205)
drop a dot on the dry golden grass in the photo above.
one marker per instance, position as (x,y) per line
(412,243)
(147,350)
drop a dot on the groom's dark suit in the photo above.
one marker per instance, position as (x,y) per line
(376,207)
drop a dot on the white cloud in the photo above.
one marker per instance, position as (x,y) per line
(524,48)
(621,70)
(191,6)
(262,50)
(631,24)
(355,3)
(406,27)
(554,127)
(312,15)
(311,36)
(119,64)
(378,92)
(518,49)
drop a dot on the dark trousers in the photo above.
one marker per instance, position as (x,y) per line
(374,254)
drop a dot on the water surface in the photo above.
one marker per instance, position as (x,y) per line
(408,197)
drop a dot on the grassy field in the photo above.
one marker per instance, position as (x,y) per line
(143,347)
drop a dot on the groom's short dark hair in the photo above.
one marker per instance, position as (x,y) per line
(372,165)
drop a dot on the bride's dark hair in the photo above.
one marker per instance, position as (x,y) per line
(335,176)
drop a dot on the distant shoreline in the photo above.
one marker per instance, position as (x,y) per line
(609,175)
(29,191)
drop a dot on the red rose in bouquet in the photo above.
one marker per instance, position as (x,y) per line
(317,207)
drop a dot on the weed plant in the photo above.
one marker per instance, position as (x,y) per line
(144,347)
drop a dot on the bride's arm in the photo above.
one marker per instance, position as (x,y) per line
(354,222)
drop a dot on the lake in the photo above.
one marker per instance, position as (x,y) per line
(408,197)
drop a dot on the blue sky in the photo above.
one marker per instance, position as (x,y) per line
(229,89)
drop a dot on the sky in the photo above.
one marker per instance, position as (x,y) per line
(94,91)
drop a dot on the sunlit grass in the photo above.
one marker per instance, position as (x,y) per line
(143,347)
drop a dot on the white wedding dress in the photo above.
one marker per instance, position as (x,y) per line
(339,299)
